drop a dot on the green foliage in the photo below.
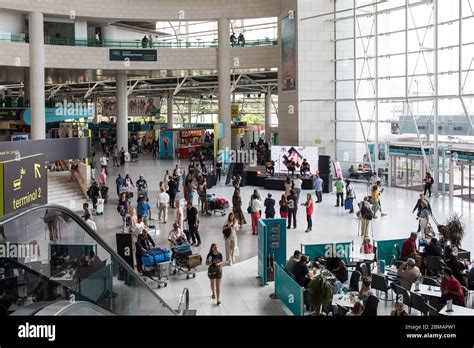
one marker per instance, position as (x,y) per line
(252,119)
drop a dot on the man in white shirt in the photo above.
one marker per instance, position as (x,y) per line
(92,225)
(163,201)
(176,236)
(103,163)
(297,184)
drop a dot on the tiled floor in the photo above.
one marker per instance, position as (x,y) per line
(241,293)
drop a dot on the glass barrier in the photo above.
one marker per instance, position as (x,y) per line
(48,253)
(130,43)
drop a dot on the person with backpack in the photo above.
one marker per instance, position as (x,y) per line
(292,209)
(94,194)
(365,215)
(428,181)
(230,236)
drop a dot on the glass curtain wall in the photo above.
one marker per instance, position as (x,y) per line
(404,74)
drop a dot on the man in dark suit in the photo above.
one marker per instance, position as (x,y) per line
(269,207)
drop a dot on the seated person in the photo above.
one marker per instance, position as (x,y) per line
(456,266)
(433,249)
(144,243)
(366,289)
(352,172)
(451,289)
(291,167)
(399,310)
(409,249)
(291,263)
(305,167)
(408,274)
(176,237)
(357,310)
(89,264)
(301,272)
(270,167)
(366,247)
(337,267)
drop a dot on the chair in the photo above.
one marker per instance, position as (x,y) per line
(354,282)
(380,283)
(401,291)
(434,264)
(371,305)
(365,270)
(466,296)
(399,252)
(392,261)
(430,281)
(418,303)
(432,312)
(341,311)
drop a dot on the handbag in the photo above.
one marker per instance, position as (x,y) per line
(227,231)
(236,251)
(249,208)
(213,271)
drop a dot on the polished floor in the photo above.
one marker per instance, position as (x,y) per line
(241,294)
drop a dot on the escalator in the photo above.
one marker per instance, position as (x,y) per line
(52,263)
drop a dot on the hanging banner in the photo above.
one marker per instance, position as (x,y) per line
(288,52)
(234,110)
(136,106)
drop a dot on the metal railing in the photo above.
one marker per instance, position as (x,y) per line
(132,43)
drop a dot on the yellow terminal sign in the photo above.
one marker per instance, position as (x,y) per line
(23,182)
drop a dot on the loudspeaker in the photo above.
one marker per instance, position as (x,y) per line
(324,164)
(327,182)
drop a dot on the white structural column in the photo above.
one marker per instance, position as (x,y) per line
(268,115)
(169,110)
(223,69)
(122,110)
(36,32)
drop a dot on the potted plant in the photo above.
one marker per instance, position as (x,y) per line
(454,230)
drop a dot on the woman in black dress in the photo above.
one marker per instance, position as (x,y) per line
(215,260)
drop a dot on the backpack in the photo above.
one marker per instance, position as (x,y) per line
(366,213)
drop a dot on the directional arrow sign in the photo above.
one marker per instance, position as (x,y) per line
(37,170)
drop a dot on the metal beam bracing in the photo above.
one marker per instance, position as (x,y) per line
(90,90)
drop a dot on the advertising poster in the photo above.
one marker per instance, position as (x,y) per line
(284,155)
(136,106)
(288,53)
(338,170)
(166,145)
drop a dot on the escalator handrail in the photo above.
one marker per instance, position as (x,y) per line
(183,299)
(60,308)
(12,216)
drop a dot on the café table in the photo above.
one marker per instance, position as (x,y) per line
(457,310)
(344,300)
(357,256)
(427,290)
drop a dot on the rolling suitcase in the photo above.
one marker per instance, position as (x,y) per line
(348,204)
(100,206)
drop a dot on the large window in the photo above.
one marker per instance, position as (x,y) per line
(403,67)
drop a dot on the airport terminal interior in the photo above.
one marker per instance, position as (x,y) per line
(214,157)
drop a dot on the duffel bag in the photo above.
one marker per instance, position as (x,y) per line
(148,259)
(162,255)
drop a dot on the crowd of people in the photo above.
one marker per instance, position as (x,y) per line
(194,180)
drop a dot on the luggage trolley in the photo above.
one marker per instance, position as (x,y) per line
(185,261)
(217,205)
(156,265)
